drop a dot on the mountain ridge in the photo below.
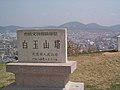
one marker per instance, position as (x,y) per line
(73,25)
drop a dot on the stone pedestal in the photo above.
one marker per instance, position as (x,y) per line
(42,76)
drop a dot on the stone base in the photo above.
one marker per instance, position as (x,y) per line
(69,86)
(43,76)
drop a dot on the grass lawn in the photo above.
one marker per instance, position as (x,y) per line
(98,71)
(5,77)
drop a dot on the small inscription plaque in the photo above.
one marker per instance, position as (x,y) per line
(42,45)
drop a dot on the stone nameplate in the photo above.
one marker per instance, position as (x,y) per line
(42,45)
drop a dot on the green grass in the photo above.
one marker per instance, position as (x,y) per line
(98,71)
(5,77)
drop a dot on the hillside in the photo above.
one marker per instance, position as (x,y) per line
(98,71)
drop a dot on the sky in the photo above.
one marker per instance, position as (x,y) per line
(56,12)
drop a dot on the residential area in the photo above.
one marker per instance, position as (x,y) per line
(8,47)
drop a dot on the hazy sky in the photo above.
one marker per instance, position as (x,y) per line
(56,12)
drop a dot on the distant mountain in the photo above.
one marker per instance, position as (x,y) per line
(115,28)
(70,26)
(88,27)
(10,28)
(94,26)
(73,25)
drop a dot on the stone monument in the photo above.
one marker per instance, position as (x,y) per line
(118,43)
(42,61)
